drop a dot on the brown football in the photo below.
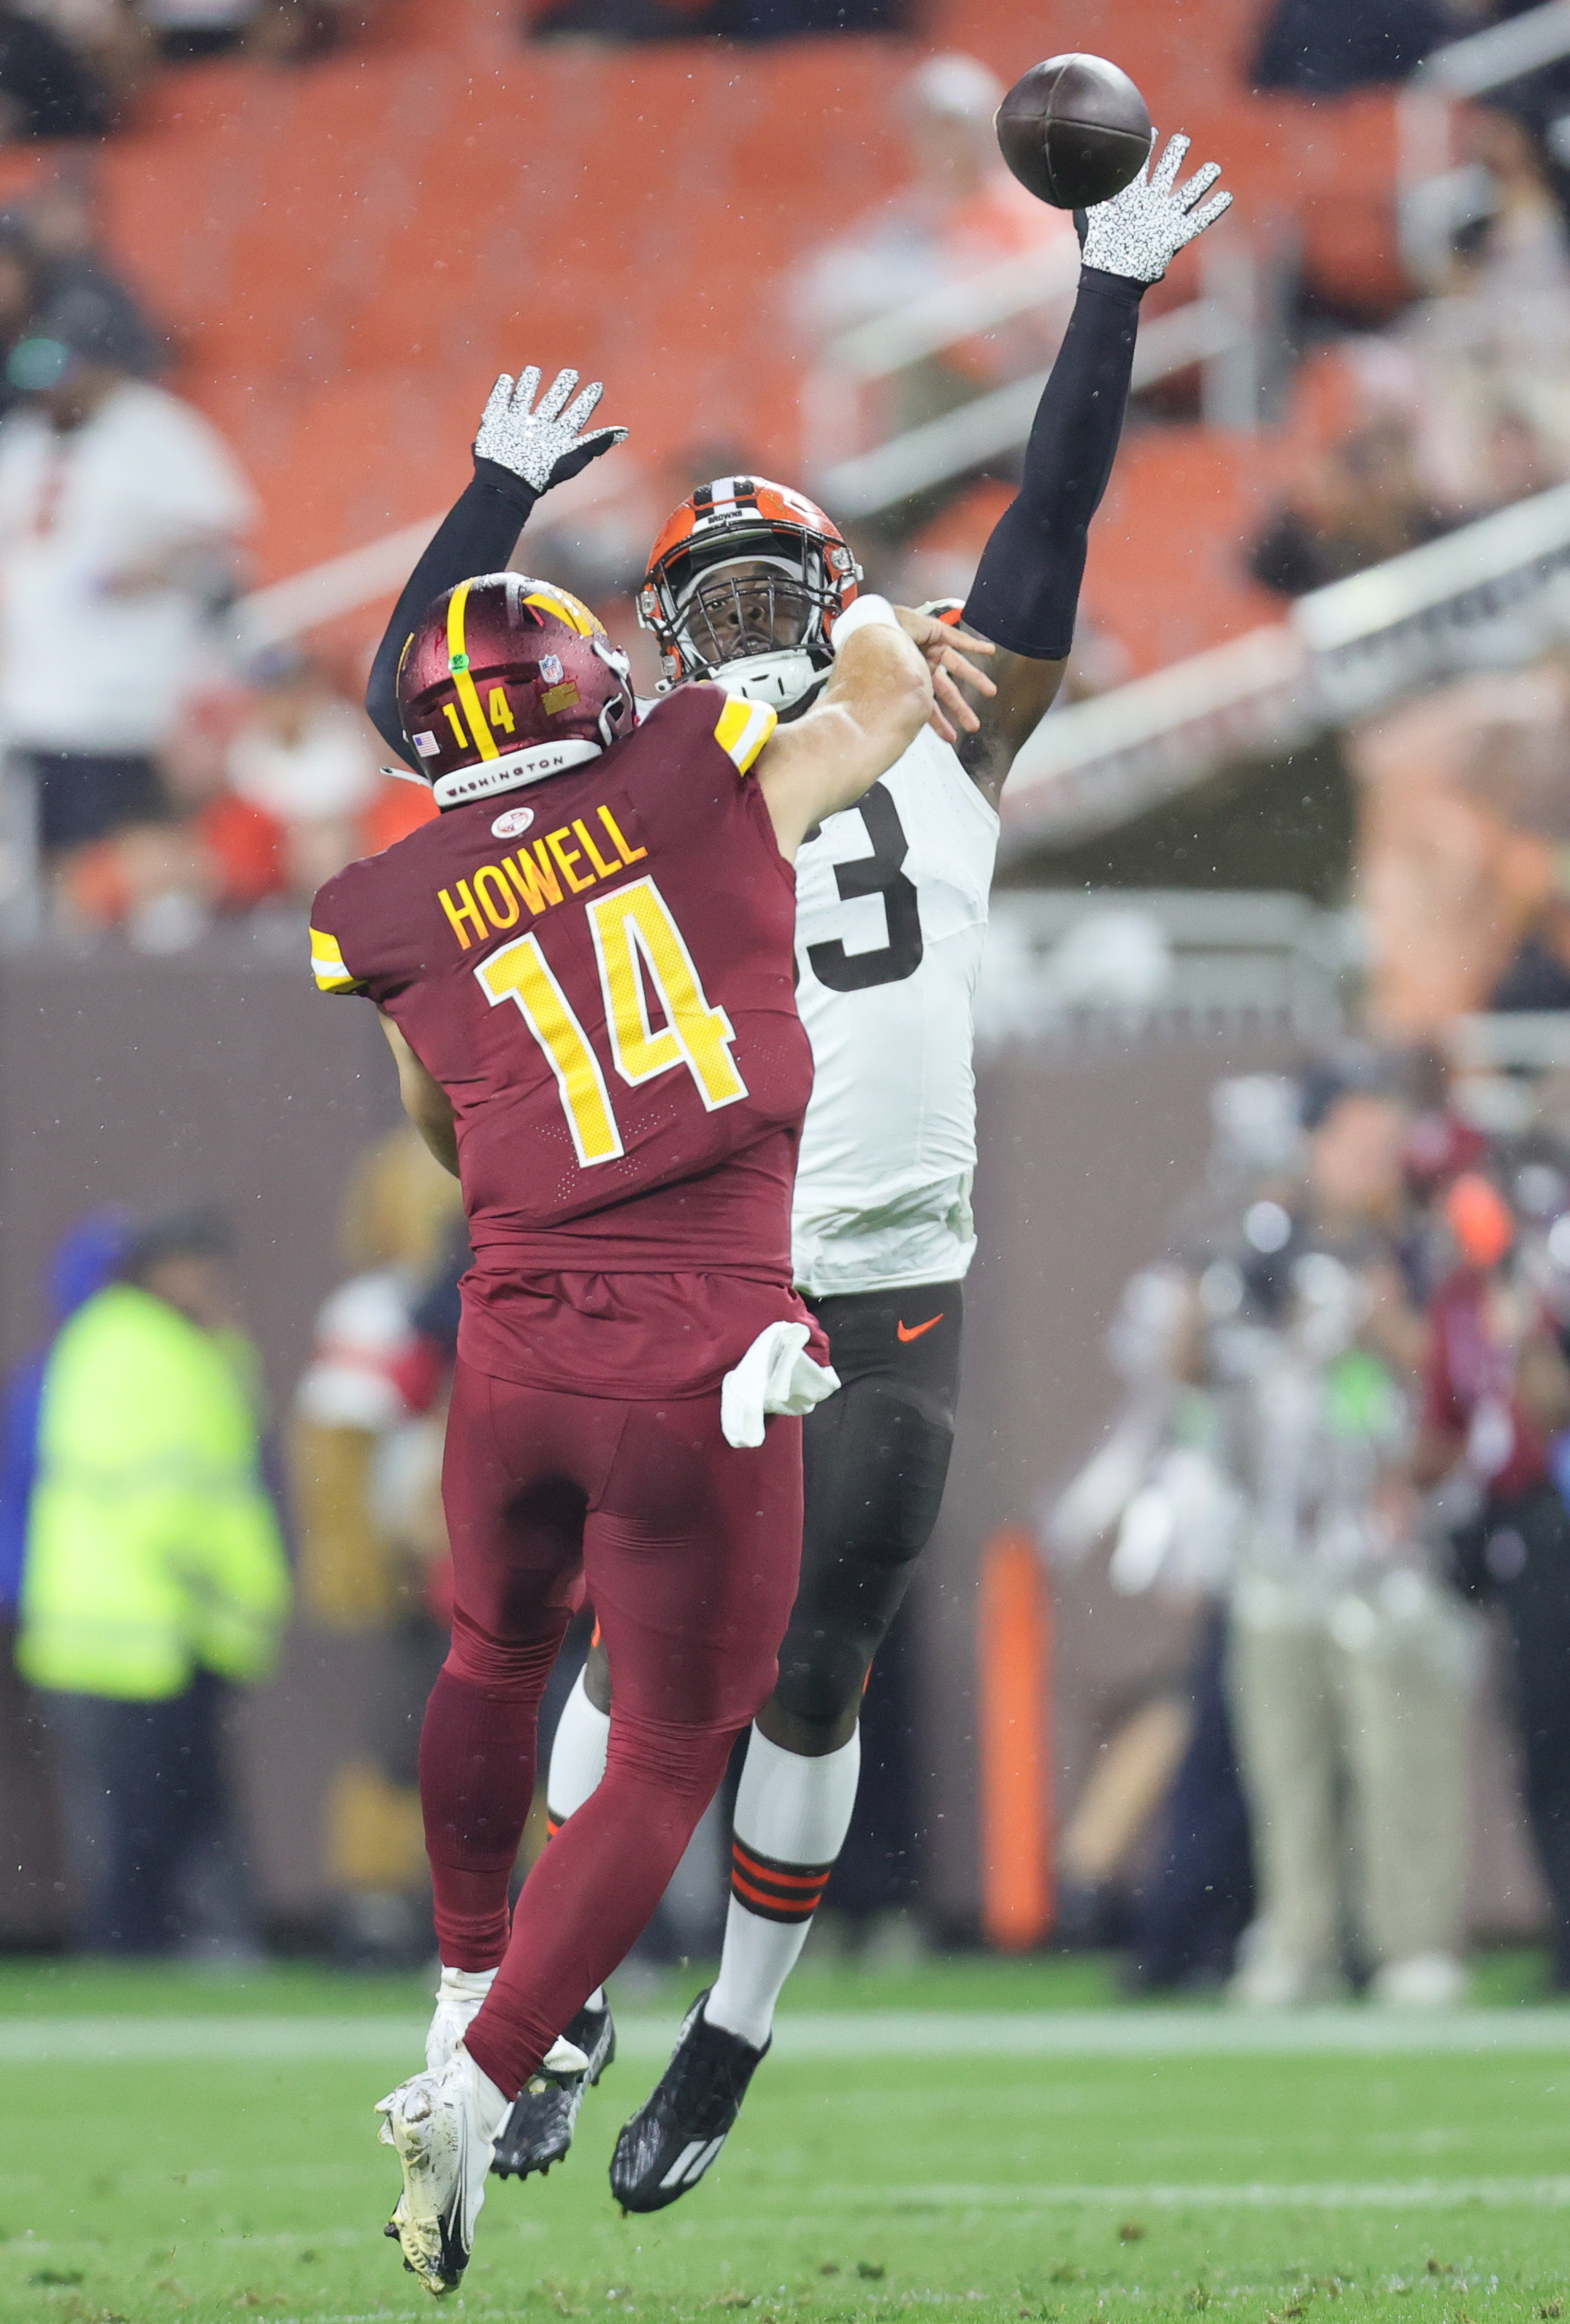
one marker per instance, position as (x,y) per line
(1075,131)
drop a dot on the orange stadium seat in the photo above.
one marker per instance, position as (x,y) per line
(348,252)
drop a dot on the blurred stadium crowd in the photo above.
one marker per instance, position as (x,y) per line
(1344,1450)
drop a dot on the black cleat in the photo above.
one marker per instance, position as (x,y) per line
(671,2141)
(539,2130)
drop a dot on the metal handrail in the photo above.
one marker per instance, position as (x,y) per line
(1499,52)
(999,421)
(1014,286)
(1344,651)
(303,601)
(1434,195)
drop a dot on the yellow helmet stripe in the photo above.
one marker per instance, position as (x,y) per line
(565,608)
(458,664)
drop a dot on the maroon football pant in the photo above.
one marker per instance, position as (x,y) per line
(689,1549)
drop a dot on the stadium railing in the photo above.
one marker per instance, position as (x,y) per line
(1496,591)
(1436,194)
(1218,330)
(1081,967)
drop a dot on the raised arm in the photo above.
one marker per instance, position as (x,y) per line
(876,703)
(1026,590)
(519,453)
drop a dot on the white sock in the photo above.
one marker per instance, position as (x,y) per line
(578,1761)
(459,1995)
(792,1815)
(491,2105)
(578,1756)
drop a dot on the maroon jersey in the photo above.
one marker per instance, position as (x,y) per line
(598,970)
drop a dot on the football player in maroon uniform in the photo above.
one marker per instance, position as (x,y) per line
(748,584)
(584,967)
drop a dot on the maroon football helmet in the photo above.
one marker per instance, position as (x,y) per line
(507,681)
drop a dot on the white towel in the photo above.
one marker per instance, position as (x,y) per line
(775,1375)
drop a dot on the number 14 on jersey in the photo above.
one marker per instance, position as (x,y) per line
(640,950)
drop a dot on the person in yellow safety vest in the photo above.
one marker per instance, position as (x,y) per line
(155,1576)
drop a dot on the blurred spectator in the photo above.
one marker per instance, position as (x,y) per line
(1463,814)
(109,37)
(155,1576)
(366,1451)
(120,508)
(20,287)
(290,32)
(1361,502)
(187,29)
(1325,47)
(1495,349)
(1498,1399)
(47,87)
(737,20)
(1350,1664)
(306,759)
(88,1258)
(1200,1896)
(270,793)
(59,220)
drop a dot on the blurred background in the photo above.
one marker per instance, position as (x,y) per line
(1239,1654)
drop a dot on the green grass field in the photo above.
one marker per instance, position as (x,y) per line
(987,2139)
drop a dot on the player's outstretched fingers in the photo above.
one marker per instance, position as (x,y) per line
(557,394)
(498,403)
(1203,178)
(528,386)
(1164,176)
(1200,219)
(582,406)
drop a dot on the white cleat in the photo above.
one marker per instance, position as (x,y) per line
(1423,1981)
(458,1997)
(443,2128)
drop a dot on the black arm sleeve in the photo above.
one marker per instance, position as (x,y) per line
(1027,585)
(477,535)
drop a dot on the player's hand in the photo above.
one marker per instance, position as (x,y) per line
(1140,232)
(941,645)
(547,445)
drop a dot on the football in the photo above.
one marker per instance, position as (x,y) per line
(1074,131)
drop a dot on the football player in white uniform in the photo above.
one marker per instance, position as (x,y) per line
(746,585)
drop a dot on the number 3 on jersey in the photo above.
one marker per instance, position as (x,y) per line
(639,947)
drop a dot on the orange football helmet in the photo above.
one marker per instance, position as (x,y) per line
(744,587)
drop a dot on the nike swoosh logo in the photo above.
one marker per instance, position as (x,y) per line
(914,1331)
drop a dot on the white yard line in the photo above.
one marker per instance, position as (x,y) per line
(1319,2195)
(953,2035)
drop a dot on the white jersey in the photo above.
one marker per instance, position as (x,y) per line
(891,915)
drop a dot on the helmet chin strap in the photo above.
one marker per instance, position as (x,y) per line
(780,679)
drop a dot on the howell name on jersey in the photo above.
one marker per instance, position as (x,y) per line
(620,1042)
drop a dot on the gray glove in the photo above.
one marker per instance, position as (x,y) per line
(543,447)
(1140,232)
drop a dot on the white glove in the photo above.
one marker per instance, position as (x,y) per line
(1140,232)
(775,1375)
(546,447)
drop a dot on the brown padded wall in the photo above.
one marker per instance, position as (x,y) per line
(154,1082)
